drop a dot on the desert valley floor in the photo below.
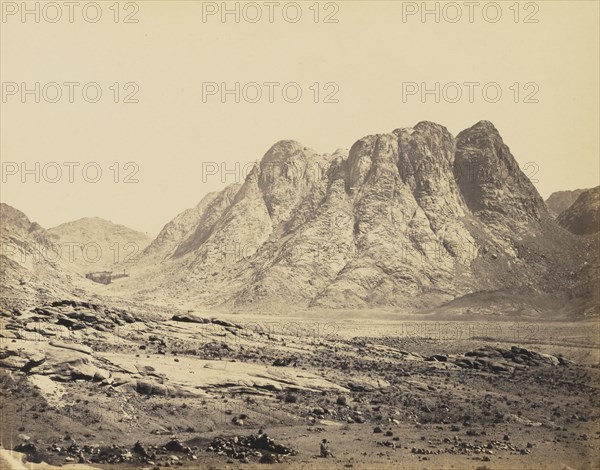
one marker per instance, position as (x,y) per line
(89,385)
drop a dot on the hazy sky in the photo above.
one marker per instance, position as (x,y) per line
(369,55)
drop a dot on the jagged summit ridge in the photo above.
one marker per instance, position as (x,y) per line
(408,218)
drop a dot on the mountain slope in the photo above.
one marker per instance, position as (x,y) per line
(30,264)
(413,218)
(583,216)
(562,200)
(95,244)
(187,228)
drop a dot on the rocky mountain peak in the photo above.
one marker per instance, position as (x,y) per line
(283,150)
(287,160)
(410,218)
(490,179)
(284,176)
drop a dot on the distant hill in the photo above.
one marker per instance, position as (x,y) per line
(38,265)
(30,266)
(583,216)
(561,200)
(98,244)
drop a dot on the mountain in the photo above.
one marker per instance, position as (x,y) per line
(185,231)
(561,200)
(411,219)
(93,244)
(583,216)
(39,265)
(30,265)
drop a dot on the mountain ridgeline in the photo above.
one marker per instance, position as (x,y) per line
(412,219)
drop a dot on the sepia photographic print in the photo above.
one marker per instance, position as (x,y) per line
(299,235)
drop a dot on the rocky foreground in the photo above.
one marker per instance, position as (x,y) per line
(84,383)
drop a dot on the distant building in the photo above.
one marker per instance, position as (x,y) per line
(101,277)
(105,277)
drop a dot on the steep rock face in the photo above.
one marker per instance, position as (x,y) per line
(490,178)
(427,154)
(178,230)
(583,216)
(409,219)
(562,200)
(180,249)
(287,173)
(307,252)
(412,218)
(190,229)
(206,217)
(245,225)
(24,241)
(406,208)
(14,221)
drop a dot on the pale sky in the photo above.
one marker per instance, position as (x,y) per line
(369,53)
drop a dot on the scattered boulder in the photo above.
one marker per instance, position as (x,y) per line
(342,400)
(175,445)
(224,323)
(144,387)
(243,447)
(75,347)
(500,360)
(189,318)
